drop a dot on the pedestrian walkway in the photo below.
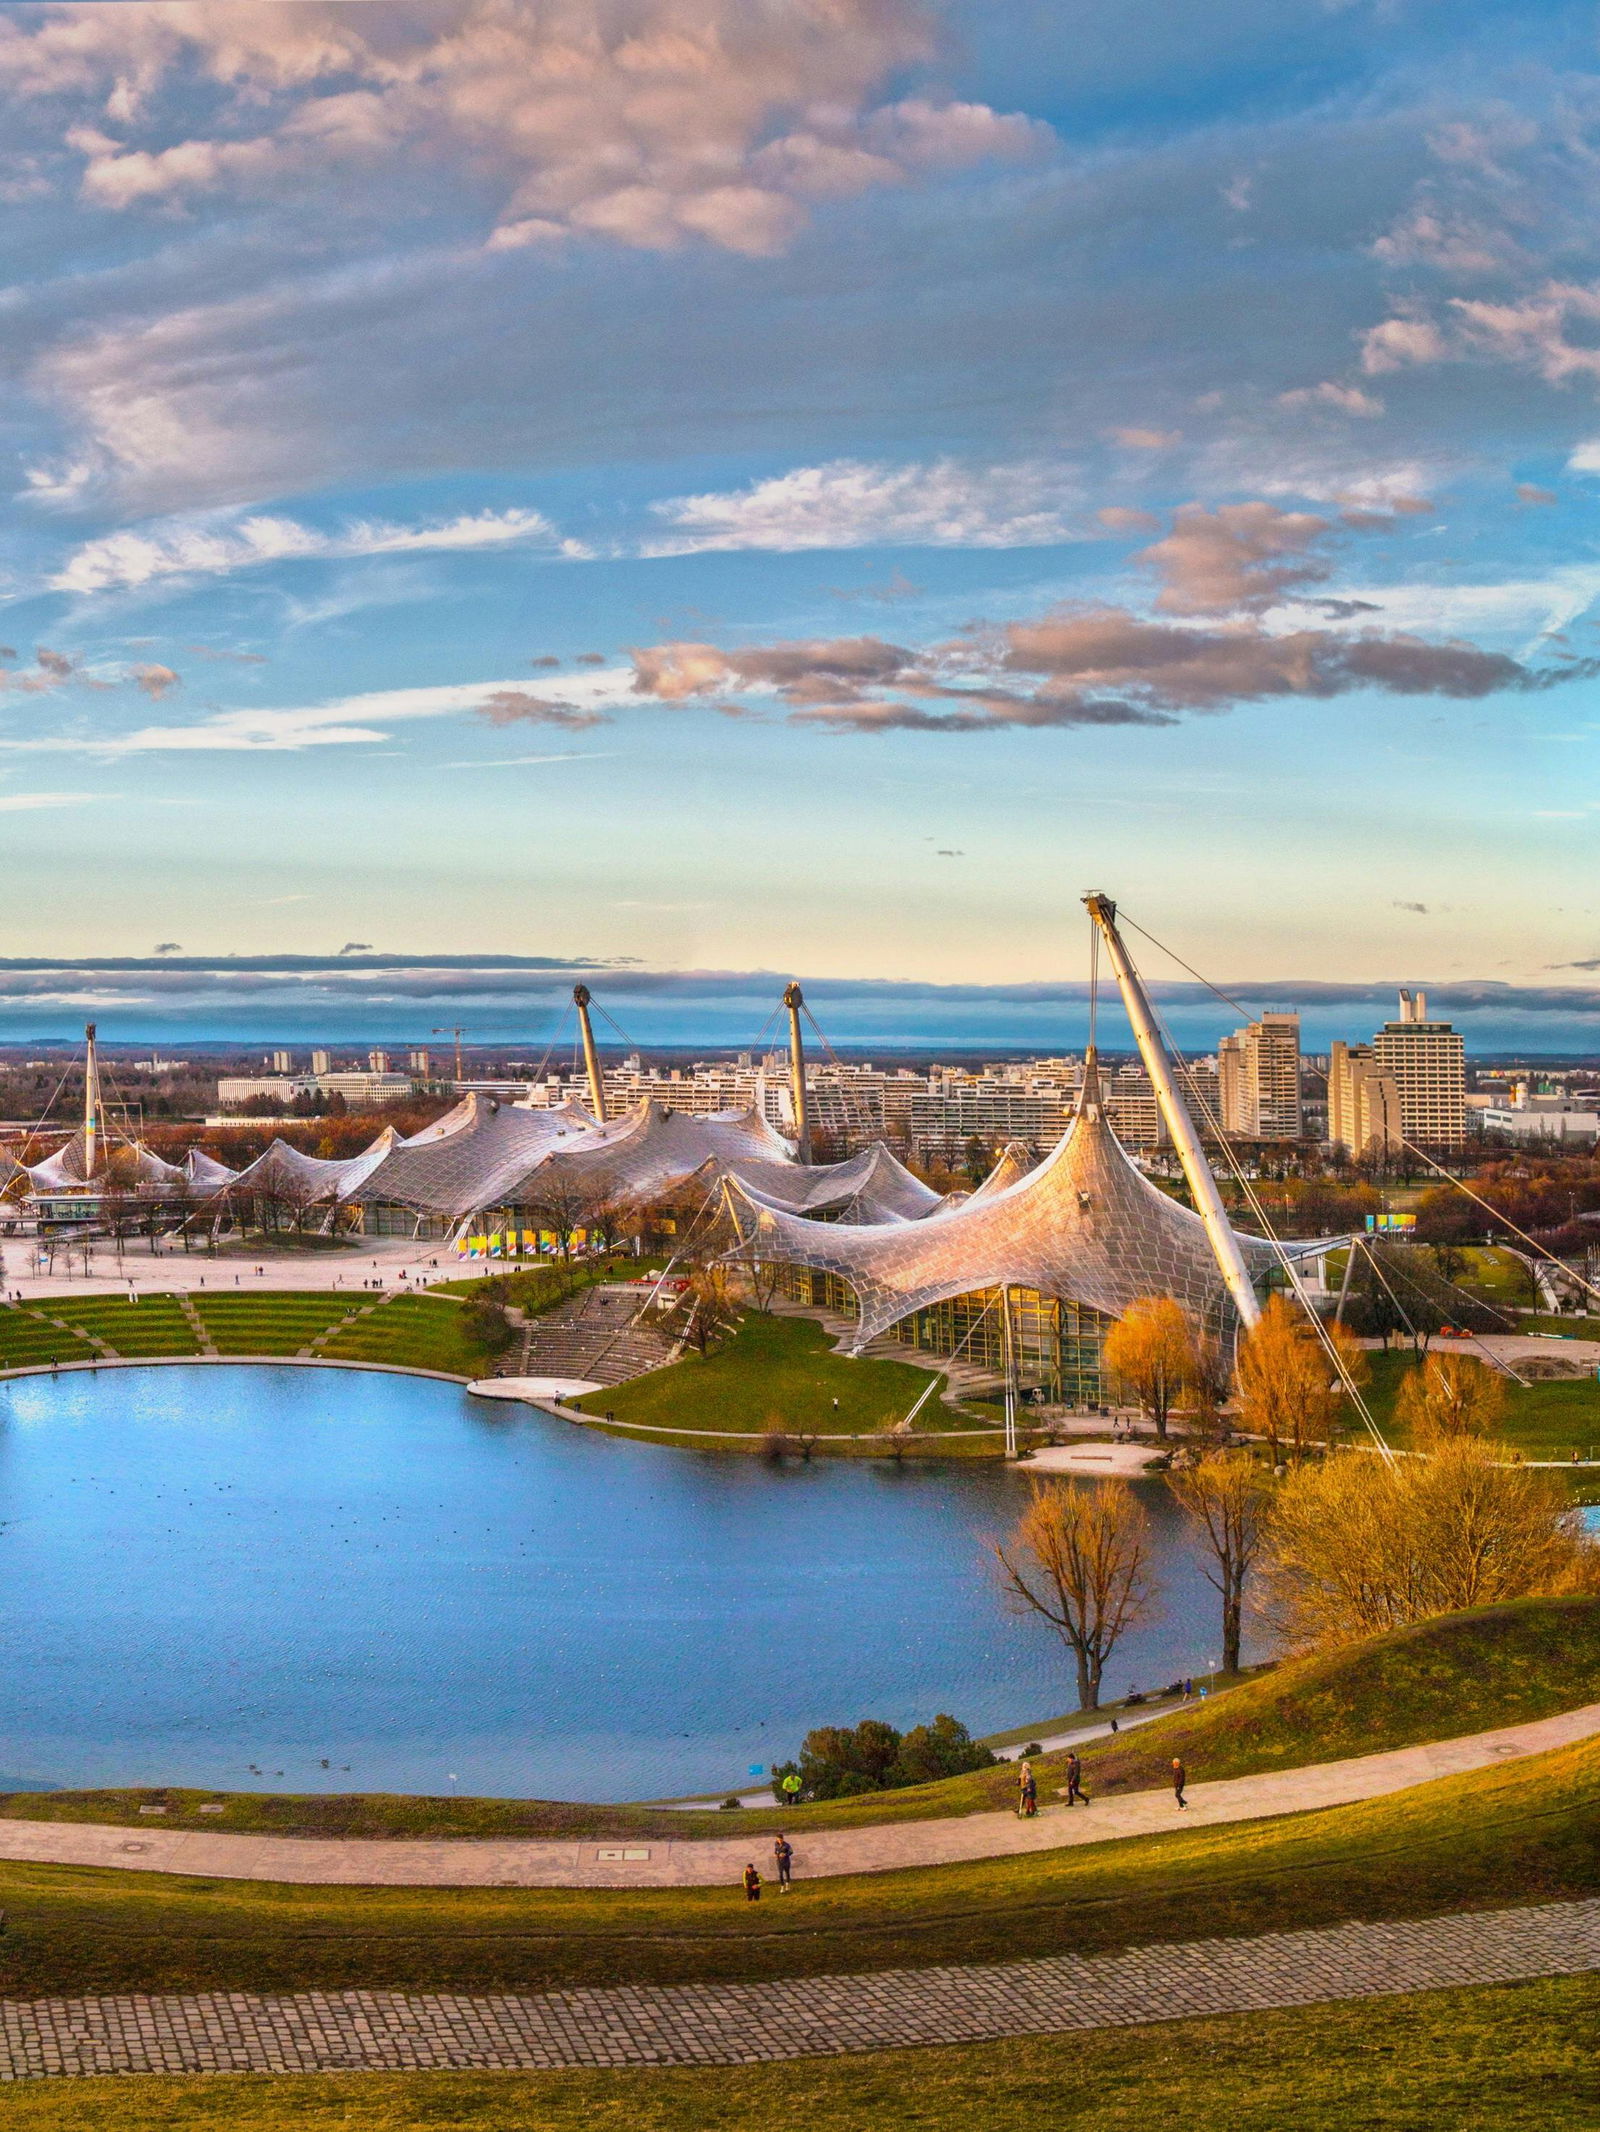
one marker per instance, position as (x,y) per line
(707,1861)
(739,2024)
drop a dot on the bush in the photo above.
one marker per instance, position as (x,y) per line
(845,1761)
(486,1326)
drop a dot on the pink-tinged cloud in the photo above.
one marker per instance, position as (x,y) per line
(515,706)
(1240,556)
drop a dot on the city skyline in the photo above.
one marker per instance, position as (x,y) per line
(816,496)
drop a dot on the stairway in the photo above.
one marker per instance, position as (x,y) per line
(590,1336)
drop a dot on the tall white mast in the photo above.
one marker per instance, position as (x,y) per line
(591,1060)
(91,1102)
(1203,1186)
(794,999)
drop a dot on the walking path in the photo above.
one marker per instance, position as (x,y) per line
(738,2024)
(688,1862)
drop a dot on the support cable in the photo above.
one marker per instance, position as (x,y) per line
(1330,1347)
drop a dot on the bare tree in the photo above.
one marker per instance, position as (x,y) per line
(1226,1497)
(1080,1556)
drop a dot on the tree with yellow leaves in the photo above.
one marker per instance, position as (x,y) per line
(1227,1497)
(1287,1386)
(1360,1544)
(1151,1355)
(1450,1396)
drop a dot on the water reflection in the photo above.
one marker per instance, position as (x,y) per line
(294,1579)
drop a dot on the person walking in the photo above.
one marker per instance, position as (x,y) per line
(1027,1792)
(783,1858)
(752,1883)
(1075,1790)
(1180,1777)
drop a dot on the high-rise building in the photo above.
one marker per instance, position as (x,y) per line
(1363,1102)
(281,1062)
(420,1064)
(1258,1072)
(1428,1063)
(378,1061)
(320,1061)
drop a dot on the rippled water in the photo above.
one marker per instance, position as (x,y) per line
(268,1578)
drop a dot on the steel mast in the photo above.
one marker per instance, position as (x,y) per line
(591,1058)
(1207,1199)
(91,1102)
(794,999)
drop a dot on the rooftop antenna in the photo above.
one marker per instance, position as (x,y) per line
(91,1102)
(1207,1199)
(794,999)
(591,1058)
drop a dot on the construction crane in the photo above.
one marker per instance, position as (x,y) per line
(457,1032)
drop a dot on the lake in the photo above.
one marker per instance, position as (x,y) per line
(267,1578)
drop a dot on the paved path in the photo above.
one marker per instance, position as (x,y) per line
(674,1862)
(739,2024)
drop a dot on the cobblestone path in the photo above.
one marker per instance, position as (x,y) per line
(736,2024)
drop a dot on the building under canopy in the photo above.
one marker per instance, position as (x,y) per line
(1085,1227)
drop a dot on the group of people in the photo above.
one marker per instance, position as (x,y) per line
(1027,1807)
(783,1866)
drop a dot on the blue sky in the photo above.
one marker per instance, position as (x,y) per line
(736,486)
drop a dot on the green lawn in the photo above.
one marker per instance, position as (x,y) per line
(1440,1679)
(777,1374)
(26,1339)
(1547,1418)
(1501,1665)
(273,1323)
(155,1325)
(1526,1831)
(412,1331)
(1512,2055)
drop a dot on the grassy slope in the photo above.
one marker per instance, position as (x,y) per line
(1512,2055)
(1465,1673)
(1551,1418)
(153,1326)
(417,1332)
(776,1373)
(26,1340)
(1525,1831)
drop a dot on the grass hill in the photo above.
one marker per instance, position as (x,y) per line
(1500,1665)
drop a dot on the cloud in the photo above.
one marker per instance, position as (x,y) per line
(1529,492)
(855,504)
(356,947)
(26,802)
(1242,555)
(348,721)
(218,547)
(1421,909)
(168,947)
(1147,440)
(514,706)
(655,124)
(1399,343)
(155,680)
(1077,667)
(1340,399)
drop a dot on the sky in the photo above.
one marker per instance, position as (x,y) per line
(688,492)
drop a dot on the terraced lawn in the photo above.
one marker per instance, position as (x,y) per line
(26,1340)
(155,1325)
(272,1323)
(413,1332)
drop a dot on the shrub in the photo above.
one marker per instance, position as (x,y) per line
(845,1761)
